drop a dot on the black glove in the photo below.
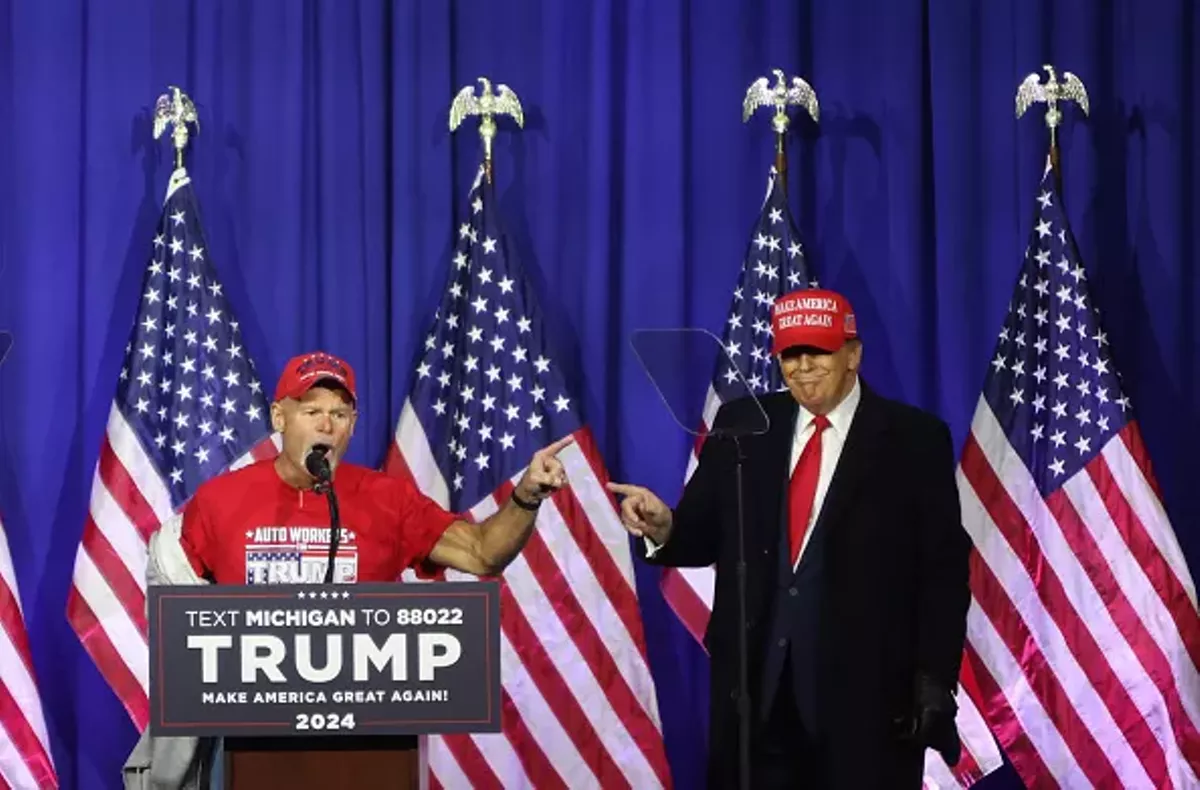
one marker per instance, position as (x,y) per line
(931,723)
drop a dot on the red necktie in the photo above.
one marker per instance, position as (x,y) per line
(803,488)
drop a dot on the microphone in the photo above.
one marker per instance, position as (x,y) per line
(317,464)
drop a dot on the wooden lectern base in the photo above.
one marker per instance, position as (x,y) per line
(352,763)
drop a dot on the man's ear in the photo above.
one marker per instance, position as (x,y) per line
(856,352)
(277,418)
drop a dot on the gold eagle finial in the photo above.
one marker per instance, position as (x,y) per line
(175,109)
(780,96)
(487,105)
(1033,91)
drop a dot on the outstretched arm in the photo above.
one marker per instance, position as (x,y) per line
(690,535)
(486,548)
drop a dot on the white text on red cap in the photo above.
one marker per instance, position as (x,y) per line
(823,303)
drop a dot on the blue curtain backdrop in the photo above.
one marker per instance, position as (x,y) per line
(330,184)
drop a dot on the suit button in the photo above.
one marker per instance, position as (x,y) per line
(766,552)
(782,642)
(792,591)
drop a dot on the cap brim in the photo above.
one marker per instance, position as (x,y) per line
(336,383)
(826,344)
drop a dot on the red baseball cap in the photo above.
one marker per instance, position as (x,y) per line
(812,317)
(303,372)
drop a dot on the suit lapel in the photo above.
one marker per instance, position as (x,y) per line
(857,459)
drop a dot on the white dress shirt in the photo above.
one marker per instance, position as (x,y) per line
(833,439)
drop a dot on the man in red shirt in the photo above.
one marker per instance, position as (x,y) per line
(265,523)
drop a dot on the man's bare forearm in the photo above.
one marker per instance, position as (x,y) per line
(503,534)
(486,548)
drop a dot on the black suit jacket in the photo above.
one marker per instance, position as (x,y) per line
(895,582)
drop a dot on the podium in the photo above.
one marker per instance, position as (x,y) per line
(323,686)
(329,763)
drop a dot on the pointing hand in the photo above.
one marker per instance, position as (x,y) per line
(643,513)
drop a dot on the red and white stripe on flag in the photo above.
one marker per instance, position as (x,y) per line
(1084,633)
(579,705)
(25,761)
(689,591)
(106,605)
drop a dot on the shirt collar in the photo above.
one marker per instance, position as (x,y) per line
(840,417)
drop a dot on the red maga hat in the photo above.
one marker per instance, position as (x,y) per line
(303,372)
(812,317)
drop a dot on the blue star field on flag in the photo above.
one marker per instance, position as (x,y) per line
(486,392)
(774,264)
(1051,384)
(187,386)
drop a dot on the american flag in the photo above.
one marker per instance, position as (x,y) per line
(579,701)
(774,264)
(1083,630)
(25,761)
(188,406)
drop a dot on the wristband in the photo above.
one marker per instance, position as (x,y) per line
(530,506)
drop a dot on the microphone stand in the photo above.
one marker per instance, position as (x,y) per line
(743,702)
(743,687)
(335,525)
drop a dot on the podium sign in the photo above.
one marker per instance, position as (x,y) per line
(304,660)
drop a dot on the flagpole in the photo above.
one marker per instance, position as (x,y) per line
(1033,91)
(487,105)
(175,109)
(780,96)
(781,160)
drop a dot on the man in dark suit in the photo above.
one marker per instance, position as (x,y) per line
(857,565)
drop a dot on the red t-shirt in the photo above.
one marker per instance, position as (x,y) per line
(250,527)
